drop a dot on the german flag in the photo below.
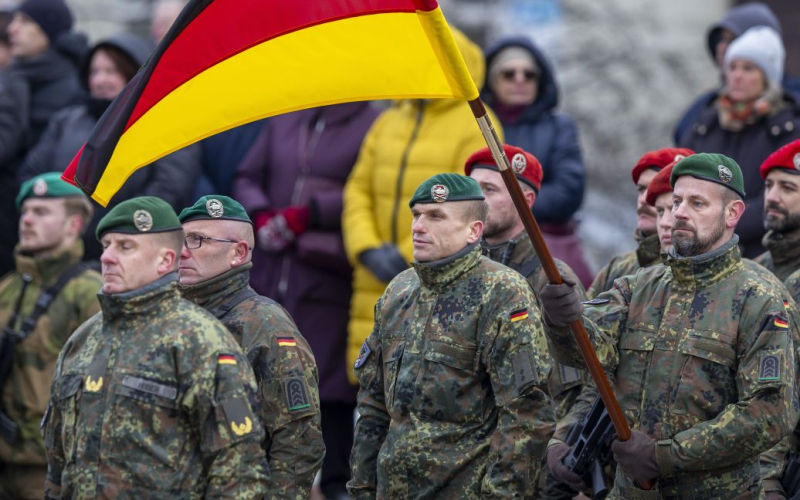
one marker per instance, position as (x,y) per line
(781,323)
(287,341)
(226,359)
(518,315)
(225,63)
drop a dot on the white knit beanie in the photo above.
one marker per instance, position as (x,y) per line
(762,46)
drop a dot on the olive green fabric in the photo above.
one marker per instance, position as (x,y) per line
(447,187)
(146,214)
(47,185)
(215,207)
(711,167)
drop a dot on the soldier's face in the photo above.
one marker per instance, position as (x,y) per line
(704,216)
(782,201)
(43,225)
(439,230)
(664,220)
(129,261)
(503,222)
(645,214)
(213,257)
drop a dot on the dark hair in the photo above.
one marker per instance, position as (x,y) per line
(122,61)
(475,210)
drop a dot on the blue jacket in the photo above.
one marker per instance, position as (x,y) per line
(550,136)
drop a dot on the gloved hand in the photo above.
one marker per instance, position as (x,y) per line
(637,456)
(384,262)
(555,455)
(277,230)
(561,305)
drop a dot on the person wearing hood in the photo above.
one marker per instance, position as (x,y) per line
(521,87)
(46,56)
(749,117)
(108,67)
(408,143)
(735,23)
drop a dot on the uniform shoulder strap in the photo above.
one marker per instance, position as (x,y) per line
(47,297)
(239,297)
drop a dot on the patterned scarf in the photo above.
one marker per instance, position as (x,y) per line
(735,116)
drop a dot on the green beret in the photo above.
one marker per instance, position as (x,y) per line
(447,187)
(215,207)
(710,167)
(146,214)
(47,185)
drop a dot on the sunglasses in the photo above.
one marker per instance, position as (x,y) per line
(511,74)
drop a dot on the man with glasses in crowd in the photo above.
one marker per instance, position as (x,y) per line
(215,274)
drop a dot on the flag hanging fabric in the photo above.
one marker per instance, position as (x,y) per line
(225,63)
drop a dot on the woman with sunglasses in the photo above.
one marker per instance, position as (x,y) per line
(522,90)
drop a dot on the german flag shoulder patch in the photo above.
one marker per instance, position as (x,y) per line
(287,341)
(226,359)
(518,315)
(780,322)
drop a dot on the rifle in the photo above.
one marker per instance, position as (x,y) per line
(590,441)
(9,430)
(553,275)
(791,477)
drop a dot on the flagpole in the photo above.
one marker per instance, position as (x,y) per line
(550,269)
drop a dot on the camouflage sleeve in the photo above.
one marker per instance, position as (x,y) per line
(793,285)
(373,418)
(53,445)
(87,290)
(518,363)
(764,414)
(291,414)
(772,463)
(579,410)
(600,283)
(222,401)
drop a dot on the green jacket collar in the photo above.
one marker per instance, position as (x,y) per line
(707,269)
(46,270)
(215,292)
(649,250)
(512,253)
(784,248)
(140,301)
(438,275)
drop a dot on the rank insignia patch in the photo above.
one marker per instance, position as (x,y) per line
(93,385)
(296,395)
(226,359)
(518,315)
(240,420)
(287,341)
(769,369)
(363,354)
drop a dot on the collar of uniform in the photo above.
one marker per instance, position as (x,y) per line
(783,247)
(512,253)
(648,251)
(46,270)
(709,268)
(438,274)
(213,292)
(139,301)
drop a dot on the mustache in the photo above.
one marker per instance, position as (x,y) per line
(774,206)
(680,224)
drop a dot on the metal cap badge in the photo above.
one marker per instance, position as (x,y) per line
(725,175)
(143,220)
(679,157)
(519,163)
(40,187)
(215,208)
(439,193)
(796,161)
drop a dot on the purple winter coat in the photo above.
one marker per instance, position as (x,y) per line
(298,157)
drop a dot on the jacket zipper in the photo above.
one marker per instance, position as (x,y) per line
(401,174)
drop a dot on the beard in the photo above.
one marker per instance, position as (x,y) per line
(786,224)
(495,227)
(693,245)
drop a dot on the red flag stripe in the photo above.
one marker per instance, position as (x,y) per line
(199,46)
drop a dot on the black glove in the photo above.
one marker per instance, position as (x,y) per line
(637,456)
(555,455)
(384,262)
(560,304)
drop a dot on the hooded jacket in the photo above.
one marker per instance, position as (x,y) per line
(550,136)
(408,143)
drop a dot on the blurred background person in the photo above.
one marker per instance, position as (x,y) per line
(521,88)
(291,183)
(750,117)
(109,66)
(165,12)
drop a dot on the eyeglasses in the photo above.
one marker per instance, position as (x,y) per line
(195,241)
(511,74)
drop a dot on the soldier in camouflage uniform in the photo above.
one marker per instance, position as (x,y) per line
(453,400)
(214,274)
(152,397)
(648,251)
(699,350)
(505,241)
(54,217)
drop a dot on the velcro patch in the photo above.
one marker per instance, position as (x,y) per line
(296,395)
(596,302)
(363,354)
(524,375)
(240,419)
(150,387)
(569,374)
(769,368)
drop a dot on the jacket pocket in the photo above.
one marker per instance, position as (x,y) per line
(146,427)
(392,355)
(635,355)
(451,391)
(67,401)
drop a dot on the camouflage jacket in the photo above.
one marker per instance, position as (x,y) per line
(286,374)
(153,398)
(647,254)
(453,400)
(698,350)
(793,285)
(783,253)
(518,253)
(27,388)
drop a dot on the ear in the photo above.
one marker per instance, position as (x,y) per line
(734,212)
(74,225)
(530,197)
(475,231)
(241,252)
(167,261)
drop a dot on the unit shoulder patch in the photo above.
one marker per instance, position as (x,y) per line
(296,394)
(363,355)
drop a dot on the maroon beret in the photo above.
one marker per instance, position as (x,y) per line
(658,159)
(524,164)
(787,158)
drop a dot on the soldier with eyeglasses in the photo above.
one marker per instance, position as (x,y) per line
(215,274)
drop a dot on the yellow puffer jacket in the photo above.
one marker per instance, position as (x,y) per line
(407,144)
